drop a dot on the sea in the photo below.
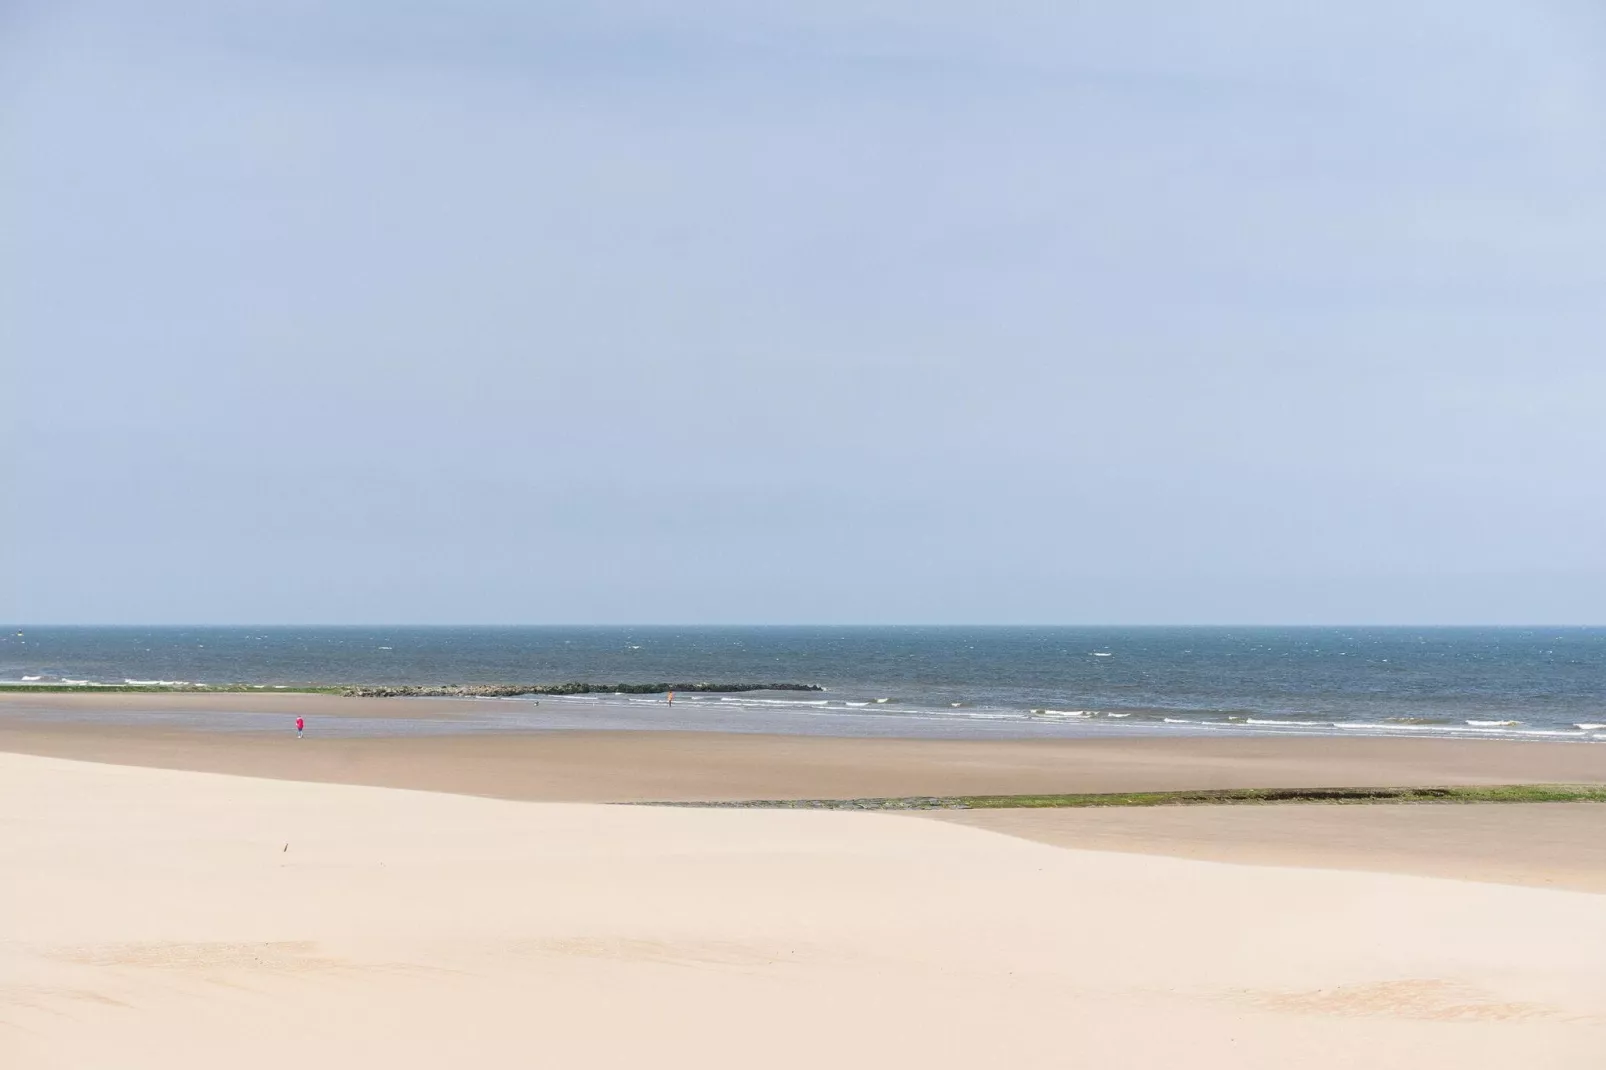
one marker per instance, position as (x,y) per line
(1511,683)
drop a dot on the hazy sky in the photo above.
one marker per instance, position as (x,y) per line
(826,311)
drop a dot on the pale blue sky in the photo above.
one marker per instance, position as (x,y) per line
(814,312)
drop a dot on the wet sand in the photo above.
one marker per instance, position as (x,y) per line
(1561,845)
(1545,845)
(615,766)
(574,766)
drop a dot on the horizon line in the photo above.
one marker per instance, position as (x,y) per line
(21,627)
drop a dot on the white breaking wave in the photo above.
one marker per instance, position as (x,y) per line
(1386,727)
(1287,724)
(1494,724)
(1587,726)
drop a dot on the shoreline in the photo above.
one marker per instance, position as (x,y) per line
(447,710)
(444,744)
(567,765)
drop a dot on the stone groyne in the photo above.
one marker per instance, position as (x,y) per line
(571,688)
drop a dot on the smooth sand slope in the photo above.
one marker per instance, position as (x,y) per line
(152,918)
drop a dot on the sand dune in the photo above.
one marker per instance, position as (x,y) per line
(151,918)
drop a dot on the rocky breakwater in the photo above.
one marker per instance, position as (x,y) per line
(571,688)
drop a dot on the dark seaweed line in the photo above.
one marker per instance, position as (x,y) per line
(1507,793)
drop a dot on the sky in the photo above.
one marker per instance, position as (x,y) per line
(813,312)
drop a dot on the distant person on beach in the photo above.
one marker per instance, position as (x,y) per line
(671,698)
(301,726)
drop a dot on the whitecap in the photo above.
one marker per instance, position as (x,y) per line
(1494,724)
(1587,726)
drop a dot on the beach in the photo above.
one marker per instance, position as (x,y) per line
(183,894)
(444,745)
(173,919)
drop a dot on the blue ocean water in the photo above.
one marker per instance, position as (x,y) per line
(1511,682)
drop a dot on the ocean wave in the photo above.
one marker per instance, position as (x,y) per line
(1287,724)
(1493,724)
(1589,726)
(1392,726)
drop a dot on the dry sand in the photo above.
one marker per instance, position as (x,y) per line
(152,918)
